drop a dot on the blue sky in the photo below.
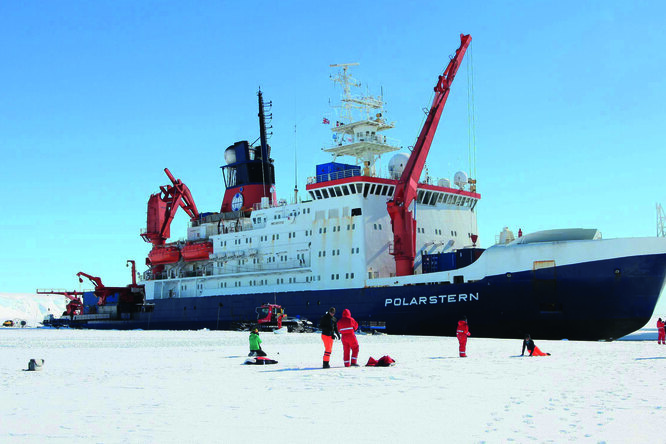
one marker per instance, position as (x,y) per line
(98,97)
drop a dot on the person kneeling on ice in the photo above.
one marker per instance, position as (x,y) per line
(532,348)
(347,326)
(255,344)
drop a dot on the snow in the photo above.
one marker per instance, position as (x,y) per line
(191,386)
(30,307)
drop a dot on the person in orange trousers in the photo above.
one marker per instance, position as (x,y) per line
(329,330)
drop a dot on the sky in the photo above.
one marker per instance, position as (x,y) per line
(99,97)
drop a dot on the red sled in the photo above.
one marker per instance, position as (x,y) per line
(384,361)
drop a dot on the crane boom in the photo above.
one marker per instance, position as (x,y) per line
(402,219)
(162,208)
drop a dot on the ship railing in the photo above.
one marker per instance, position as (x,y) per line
(228,269)
(338,175)
(250,268)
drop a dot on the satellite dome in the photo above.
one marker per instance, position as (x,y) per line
(460,179)
(230,155)
(445,183)
(397,165)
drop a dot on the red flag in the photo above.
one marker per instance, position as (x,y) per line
(326,121)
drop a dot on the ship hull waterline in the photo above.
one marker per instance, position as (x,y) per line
(597,300)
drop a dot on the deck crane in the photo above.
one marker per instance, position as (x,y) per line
(402,219)
(162,208)
(125,294)
(74,306)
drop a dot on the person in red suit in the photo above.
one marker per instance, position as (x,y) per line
(462,333)
(347,326)
(661,339)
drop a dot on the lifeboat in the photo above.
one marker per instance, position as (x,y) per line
(164,254)
(197,251)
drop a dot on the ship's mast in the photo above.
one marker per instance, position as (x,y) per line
(359,136)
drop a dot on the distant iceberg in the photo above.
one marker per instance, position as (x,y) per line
(30,307)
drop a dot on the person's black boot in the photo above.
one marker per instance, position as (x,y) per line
(326,364)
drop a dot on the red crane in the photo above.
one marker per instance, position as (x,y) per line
(402,219)
(74,306)
(100,290)
(162,208)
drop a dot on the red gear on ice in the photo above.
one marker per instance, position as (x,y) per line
(662,332)
(347,326)
(462,333)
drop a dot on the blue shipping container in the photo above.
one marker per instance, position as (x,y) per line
(89,298)
(438,262)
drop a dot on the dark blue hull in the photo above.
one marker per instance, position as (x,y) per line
(588,301)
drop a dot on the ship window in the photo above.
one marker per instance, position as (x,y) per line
(385,190)
(374,226)
(380,226)
(324,193)
(356,212)
(338,192)
(426,197)
(372,188)
(345,190)
(351,275)
(318,194)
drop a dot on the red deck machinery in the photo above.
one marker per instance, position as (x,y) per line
(402,219)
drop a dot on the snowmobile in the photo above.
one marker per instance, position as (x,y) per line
(271,317)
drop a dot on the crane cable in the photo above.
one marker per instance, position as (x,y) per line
(471,114)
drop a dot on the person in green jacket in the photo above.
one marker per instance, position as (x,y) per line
(255,344)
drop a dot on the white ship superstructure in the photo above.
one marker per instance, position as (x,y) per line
(340,237)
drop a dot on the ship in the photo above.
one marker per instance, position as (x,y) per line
(399,252)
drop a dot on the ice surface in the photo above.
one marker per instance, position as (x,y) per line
(191,386)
